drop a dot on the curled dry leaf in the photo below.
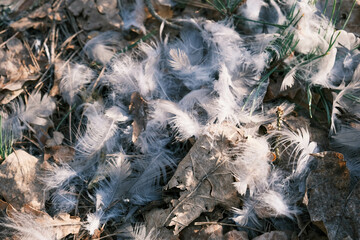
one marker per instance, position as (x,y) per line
(138,108)
(18,180)
(204,179)
(331,204)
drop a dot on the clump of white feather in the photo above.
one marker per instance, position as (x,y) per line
(101,128)
(35,112)
(110,193)
(73,80)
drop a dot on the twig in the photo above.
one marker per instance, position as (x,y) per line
(227,224)
(98,78)
(13,36)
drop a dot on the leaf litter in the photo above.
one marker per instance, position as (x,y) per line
(160,119)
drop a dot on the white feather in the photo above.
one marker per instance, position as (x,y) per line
(56,176)
(110,192)
(251,167)
(301,146)
(342,100)
(100,130)
(27,227)
(35,112)
(185,124)
(103,47)
(73,80)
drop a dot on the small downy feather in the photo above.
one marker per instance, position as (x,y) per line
(109,191)
(56,176)
(344,100)
(148,74)
(35,112)
(251,167)
(224,107)
(185,124)
(73,80)
(103,47)
(194,76)
(300,145)
(101,128)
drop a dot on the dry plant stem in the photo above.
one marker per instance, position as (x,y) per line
(3,31)
(98,78)
(33,58)
(226,224)
(52,47)
(70,137)
(68,40)
(279,114)
(303,228)
(4,43)
(158,17)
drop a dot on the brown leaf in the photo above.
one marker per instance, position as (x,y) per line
(154,220)
(96,15)
(137,109)
(32,20)
(204,179)
(60,154)
(236,235)
(328,194)
(18,180)
(274,235)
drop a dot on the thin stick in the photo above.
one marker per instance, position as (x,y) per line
(98,78)
(227,224)
(13,36)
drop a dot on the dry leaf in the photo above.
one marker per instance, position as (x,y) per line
(274,235)
(346,5)
(60,154)
(328,194)
(96,15)
(204,179)
(18,180)
(154,219)
(137,109)
(15,70)
(236,235)
(35,19)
